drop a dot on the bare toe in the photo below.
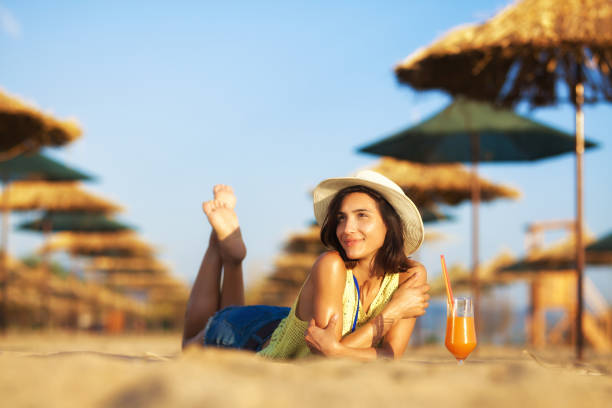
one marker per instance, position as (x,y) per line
(222,188)
(208,207)
(225,194)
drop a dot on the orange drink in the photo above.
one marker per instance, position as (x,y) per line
(460,336)
(460,331)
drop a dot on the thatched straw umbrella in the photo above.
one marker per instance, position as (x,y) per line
(127,264)
(144,281)
(21,294)
(551,273)
(451,184)
(37,166)
(166,308)
(600,251)
(95,244)
(301,250)
(558,257)
(29,284)
(128,273)
(307,241)
(24,296)
(74,221)
(24,128)
(13,264)
(166,296)
(448,183)
(53,197)
(28,167)
(470,131)
(521,54)
(157,286)
(115,306)
(474,132)
(39,195)
(112,244)
(539,41)
(434,214)
(14,268)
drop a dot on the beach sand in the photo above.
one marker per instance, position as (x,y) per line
(58,369)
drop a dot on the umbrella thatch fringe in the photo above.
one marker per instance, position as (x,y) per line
(164,296)
(29,128)
(54,196)
(432,235)
(27,285)
(10,262)
(109,264)
(546,37)
(557,257)
(295,260)
(85,243)
(451,184)
(281,286)
(144,281)
(305,242)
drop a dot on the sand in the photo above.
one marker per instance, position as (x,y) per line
(58,369)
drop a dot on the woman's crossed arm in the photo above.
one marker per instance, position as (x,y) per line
(393,325)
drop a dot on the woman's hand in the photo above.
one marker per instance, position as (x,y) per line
(409,300)
(322,341)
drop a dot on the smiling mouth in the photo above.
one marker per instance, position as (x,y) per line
(351,242)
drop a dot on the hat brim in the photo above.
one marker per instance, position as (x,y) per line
(414,231)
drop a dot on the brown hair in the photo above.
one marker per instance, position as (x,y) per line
(390,257)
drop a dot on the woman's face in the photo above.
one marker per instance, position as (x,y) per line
(361,229)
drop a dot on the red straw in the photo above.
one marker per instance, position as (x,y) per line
(449,290)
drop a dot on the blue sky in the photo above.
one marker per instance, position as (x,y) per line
(270,97)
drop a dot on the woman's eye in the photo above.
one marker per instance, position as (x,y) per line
(362,215)
(340,218)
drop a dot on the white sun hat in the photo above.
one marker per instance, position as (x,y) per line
(414,232)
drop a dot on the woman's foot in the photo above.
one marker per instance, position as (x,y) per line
(225,224)
(225,194)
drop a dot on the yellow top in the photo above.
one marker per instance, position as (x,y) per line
(287,341)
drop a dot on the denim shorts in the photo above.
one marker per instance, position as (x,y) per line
(243,327)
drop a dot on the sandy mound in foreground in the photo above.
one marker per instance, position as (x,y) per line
(150,372)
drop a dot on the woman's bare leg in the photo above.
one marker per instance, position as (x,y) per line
(204,298)
(226,249)
(231,246)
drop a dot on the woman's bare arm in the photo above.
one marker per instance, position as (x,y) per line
(321,296)
(394,325)
(409,301)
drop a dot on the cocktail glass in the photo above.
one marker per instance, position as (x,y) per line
(460,331)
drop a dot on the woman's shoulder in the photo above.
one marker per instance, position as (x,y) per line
(330,260)
(329,265)
(415,269)
(328,274)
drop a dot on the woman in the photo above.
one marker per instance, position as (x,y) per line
(361,298)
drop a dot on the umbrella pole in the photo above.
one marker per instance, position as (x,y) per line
(4,275)
(579,217)
(46,284)
(475,228)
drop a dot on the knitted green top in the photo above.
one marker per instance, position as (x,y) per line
(288,342)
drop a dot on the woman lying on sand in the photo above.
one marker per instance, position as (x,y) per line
(360,300)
